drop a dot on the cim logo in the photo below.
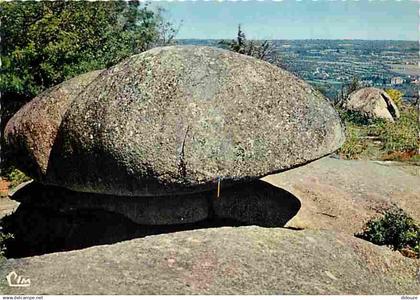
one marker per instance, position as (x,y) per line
(15,280)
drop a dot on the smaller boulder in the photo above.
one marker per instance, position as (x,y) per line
(32,131)
(372,103)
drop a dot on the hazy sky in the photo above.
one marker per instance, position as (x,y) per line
(293,19)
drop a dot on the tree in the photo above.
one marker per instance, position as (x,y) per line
(396,96)
(44,43)
(166,30)
(262,50)
(347,89)
(353,85)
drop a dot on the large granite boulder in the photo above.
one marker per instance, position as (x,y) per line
(177,119)
(32,131)
(173,120)
(372,103)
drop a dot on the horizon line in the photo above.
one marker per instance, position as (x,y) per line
(303,39)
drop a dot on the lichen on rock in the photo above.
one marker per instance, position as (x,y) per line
(174,119)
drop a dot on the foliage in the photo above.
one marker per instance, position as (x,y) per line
(396,96)
(352,117)
(15,176)
(410,156)
(166,31)
(353,85)
(353,147)
(356,128)
(378,139)
(401,135)
(395,229)
(259,49)
(4,237)
(46,42)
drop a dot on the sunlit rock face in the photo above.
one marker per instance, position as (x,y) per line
(372,103)
(179,119)
(32,131)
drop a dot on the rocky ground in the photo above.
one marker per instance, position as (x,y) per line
(344,194)
(242,260)
(337,197)
(7,206)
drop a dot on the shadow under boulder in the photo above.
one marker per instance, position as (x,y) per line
(51,219)
(256,203)
(38,230)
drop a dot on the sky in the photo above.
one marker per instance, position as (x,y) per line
(294,19)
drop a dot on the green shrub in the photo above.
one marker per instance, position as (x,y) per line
(395,229)
(3,238)
(15,176)
(259,49)
(353,117)
(396,96)
(354,146)
(403,135)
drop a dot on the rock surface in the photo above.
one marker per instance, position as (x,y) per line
(175,119)
(32,131)
(7,206)
(244,260)
(343,195)
(335,194)
(330,194)
(372,103)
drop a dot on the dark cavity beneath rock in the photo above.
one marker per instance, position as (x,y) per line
(51,219)
(257,202)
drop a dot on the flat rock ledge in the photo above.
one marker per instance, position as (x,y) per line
(243,260)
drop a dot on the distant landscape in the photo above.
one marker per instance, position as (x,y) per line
(328,64)
(133,164)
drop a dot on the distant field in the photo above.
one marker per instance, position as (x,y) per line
(406,69)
